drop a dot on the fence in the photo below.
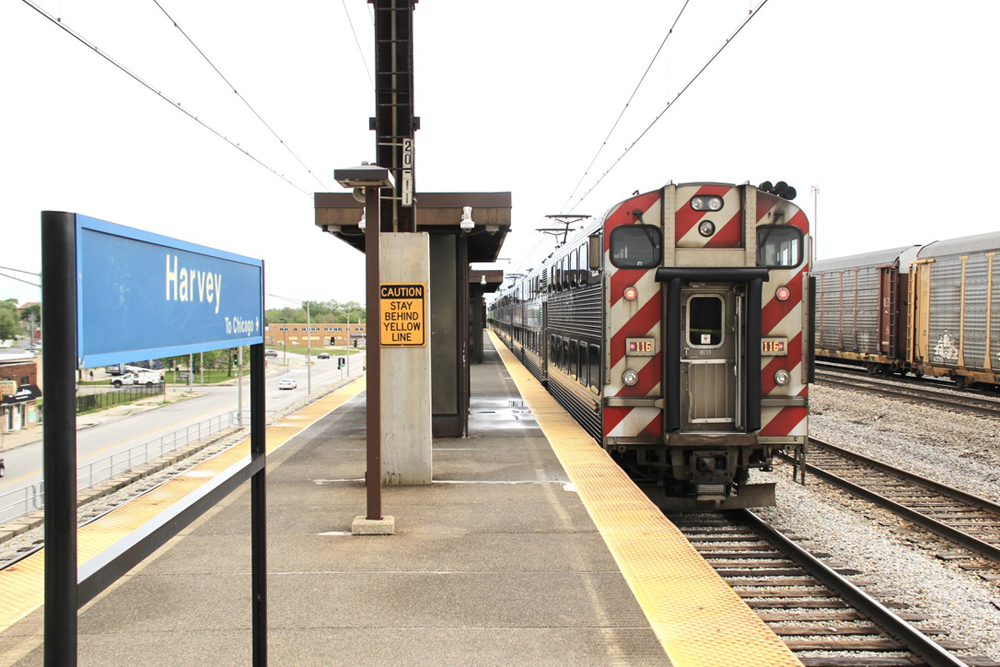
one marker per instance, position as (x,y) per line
(14,504)
(113,397)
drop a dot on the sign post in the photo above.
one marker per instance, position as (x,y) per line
(114,294)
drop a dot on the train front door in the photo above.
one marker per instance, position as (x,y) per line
(711,374)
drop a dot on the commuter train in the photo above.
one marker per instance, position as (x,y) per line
(928,310)
(676,329)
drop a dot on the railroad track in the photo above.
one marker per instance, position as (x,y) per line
(945,397)
(822,617)
(968,521)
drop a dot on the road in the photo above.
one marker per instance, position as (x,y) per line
(24,464)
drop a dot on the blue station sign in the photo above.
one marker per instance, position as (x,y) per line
(143,296)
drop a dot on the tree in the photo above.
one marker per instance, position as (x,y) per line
(8,319)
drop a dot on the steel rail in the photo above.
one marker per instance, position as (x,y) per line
(916,641)
(986,549)
(985,406)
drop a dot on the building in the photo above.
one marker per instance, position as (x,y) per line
(19,392)
(320,334)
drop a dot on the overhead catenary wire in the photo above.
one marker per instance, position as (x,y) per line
(753,12)
(177,105)
(358,42)
(242,99)
(625,108)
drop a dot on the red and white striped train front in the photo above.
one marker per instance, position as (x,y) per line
(706,315)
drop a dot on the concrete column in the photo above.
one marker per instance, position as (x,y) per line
(406,371)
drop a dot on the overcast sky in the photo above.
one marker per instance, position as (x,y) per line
(890,107)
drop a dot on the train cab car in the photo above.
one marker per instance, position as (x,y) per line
(677,330)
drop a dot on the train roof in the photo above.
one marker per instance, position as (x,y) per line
(877,258)
(968,244)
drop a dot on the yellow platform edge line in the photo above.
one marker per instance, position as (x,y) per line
(23,583)
(697,617)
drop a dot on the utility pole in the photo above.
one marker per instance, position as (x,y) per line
(815,194)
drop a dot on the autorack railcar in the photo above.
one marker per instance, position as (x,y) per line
(927,310)
(676,328)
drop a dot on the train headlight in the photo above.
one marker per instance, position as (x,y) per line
(782,293)
(706,203)
(781,377)
(706,228)
(630,377)
(630,293)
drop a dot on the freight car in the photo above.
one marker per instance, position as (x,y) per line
(676,329)
(927,310)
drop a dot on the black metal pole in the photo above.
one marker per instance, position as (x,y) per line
(258,505)
(59,439)
(373,389)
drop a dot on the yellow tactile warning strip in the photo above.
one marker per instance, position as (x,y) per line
(22,584)
(697,617)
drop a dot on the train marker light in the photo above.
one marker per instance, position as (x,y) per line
(706,203)
(630,377)
(706,228)
(781,377)
(782,293)
(630,293)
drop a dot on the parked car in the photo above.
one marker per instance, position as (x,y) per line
(287,383)
(270,353)
(323,355)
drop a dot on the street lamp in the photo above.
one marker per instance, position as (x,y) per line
(371,178)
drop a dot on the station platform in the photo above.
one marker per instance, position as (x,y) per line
(530,547)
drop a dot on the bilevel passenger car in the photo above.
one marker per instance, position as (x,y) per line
(673,329)
(928,310)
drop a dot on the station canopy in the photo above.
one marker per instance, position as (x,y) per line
(437,213)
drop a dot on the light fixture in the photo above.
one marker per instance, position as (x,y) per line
(365,176)
(781,377)
(361,223)
(782,293)
(630,293)
(467,223)
(630,377)
(706,228)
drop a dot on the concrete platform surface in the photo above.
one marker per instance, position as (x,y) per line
(496,563)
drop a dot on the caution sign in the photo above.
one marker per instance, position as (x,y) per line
(402,314)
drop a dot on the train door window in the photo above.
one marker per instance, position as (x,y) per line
(556,351)
(779,246)
(571,264)
(635,246)
(705,317)
(595,369)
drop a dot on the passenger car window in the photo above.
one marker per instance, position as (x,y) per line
(705,321)
(779,246)
(635,246)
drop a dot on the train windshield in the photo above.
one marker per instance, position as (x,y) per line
(779,246)
(635,246)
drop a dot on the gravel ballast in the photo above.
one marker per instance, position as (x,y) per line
(956,449)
